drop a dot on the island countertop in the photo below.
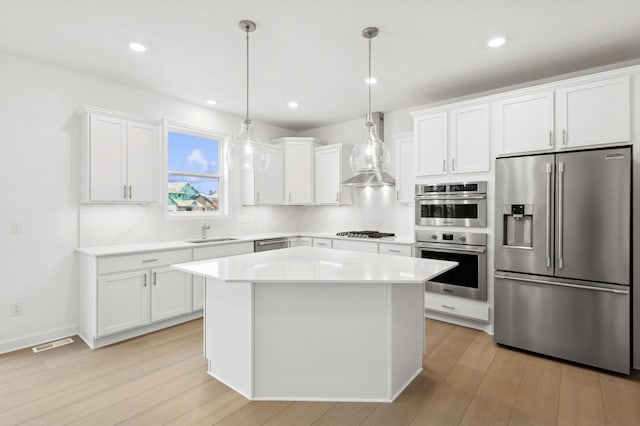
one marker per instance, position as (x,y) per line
(314,265)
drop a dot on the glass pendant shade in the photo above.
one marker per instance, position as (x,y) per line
(247,151)
(370,154)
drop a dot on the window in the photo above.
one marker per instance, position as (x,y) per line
(195,173)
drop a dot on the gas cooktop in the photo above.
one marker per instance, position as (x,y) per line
(365,234)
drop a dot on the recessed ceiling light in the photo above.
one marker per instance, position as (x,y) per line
(137,47)
(496,41)
(292,104)
(371,80)
(211,102)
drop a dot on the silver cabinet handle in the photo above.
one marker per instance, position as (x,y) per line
(289,197)
(321,244)
(547,247)
(560,214)
(130,192)
(444,165)
(393,251)
(449,307)
(124,191)
(565,137)
(149,260)
(337,196)
(453,164)
(583,287)
(144,283)
(257,197)
(154,279)
(397,195)
(550,137)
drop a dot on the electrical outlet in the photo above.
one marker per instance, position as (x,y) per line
(17,309)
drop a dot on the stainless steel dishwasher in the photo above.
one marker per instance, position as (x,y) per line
(270,244)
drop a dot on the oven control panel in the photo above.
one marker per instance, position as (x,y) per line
(471,238)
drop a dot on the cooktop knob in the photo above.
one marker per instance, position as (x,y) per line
(434,237)
(463,239)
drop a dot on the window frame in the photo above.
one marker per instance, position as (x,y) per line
(223,139)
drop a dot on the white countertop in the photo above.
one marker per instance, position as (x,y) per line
(119,249)
(317,265)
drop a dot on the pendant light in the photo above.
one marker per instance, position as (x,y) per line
(370,158)
(247,151)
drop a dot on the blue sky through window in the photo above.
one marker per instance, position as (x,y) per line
(193,154)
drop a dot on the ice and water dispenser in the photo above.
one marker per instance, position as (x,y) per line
(518,225)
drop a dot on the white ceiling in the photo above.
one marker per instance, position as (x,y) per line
(313,51)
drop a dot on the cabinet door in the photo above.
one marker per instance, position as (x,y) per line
(108,159)
(593,113)
(469,136)
(328,165)
(299,173)
(142,162)
(524,123)
(198,292)
(405,169)
(170,293)
(123,301)
(270,183)
(355,246)
(430,132)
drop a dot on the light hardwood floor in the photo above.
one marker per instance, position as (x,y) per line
(161,378)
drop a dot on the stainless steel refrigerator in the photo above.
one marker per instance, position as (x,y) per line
(563,256)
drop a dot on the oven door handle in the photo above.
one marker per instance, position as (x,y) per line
(452,248)
(450,197)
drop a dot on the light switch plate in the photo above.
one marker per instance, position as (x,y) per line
(16,227)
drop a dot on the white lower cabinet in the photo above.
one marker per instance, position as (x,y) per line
(321,242)
(170,293)
(211,252)
(457,306)
(123,301)
(355,246)
(395,249)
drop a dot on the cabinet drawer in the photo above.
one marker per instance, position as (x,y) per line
(456,306)
(212,252)
(110,264)
(304,241)
(355,246)
(395,249)
(321,242)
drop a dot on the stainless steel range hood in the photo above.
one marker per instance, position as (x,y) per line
(372,177)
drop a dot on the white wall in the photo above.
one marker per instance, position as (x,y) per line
(39,165)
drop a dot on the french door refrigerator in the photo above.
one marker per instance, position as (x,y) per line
(563,256)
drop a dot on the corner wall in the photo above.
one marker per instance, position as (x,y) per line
(39,166)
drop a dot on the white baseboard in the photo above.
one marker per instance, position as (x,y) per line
(34,339)
(464,322)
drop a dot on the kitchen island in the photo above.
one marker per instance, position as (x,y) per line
(315,324)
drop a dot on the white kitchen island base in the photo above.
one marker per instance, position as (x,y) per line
(314,341)
(315,324)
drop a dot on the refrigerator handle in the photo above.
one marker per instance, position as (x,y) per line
(560,213)
(547,247)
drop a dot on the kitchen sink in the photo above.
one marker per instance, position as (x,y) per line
(210,240)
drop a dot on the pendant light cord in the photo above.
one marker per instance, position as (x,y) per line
(247,31)
(369,115)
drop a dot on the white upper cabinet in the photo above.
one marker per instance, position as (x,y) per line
(469,139)
(266,187)
(430,133)
(298,169)
(452,141)
(593,113)
(142,161)
(331,169)
(524,123)
(120,157)
(567,117)
(404,168)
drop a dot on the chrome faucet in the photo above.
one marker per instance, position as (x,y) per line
(204,230)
